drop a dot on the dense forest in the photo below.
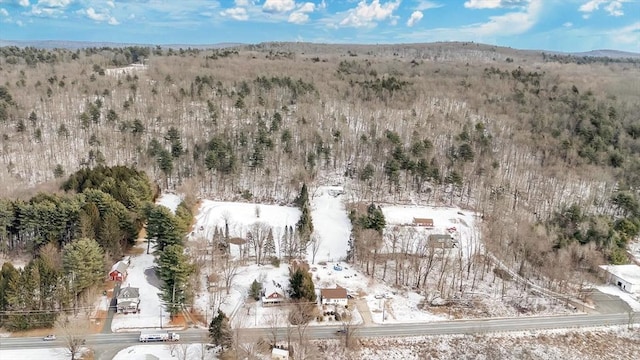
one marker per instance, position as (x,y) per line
(545,148)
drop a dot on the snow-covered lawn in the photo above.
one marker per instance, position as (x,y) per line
(331,224)
(41,353)
(141,275)
(172,351)
(240,217)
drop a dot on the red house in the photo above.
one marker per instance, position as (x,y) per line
(118,271)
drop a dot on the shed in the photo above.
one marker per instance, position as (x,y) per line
(423,222)
(444,241)
(118,271)
(626,277)
(279,354)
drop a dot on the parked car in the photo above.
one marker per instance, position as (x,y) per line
(50,337)
(341,331)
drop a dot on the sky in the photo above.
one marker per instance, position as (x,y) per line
(554,25)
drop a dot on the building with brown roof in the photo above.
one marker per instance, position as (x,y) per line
(337,296)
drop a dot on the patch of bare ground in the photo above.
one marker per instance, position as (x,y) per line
(601,344)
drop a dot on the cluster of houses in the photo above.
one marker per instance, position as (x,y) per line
(127,298)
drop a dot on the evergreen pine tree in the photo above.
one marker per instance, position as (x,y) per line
(174,270)
(220,331)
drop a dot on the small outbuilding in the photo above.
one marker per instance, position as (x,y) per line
(442,241)
(118,271)
(423,222)
(626,277)
(279,354)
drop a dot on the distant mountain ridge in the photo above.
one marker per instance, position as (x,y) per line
(73,45)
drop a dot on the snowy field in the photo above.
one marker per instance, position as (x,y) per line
(126,70)
(33,354)
(331,223)
(459,224)
(172,351)
(240,217)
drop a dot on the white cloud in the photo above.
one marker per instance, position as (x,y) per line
(512,23)
(307,7)
(20,23)
(111,4)
(415,17)
(54,3)
(113,21)
(368,14)
(278,6)
(426,5)
(494,4)
(4,12)
(24,3)
(627,36)
(568,24)
(240,3)
(236,13)
(482,4)
(613,8)
(93,15)
(298,17)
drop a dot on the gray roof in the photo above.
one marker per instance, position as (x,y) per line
(120,267)
(129,293)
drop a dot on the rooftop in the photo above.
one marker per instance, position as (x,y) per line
(630,273)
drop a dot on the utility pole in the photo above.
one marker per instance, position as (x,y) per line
(160,316)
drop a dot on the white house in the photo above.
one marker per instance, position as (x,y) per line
(626,277)
(337,296)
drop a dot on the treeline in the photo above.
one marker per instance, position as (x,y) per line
(610,234)
(73,238)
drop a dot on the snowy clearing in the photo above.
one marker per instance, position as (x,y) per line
(170,201)
(172,351)
(331,224)
(42,353)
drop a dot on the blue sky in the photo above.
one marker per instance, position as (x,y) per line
(559,25)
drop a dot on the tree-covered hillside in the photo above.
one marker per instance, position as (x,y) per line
(546,149)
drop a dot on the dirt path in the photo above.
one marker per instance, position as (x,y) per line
(363,309)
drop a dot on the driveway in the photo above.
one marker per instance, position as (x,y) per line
(106,328)
(608,304)
(363,309)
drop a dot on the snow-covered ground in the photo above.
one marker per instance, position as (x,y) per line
(634,248)
(140,274)
(162,352)
(460,224)
(633,300)
(331,224)
(41,353)
(240,217)
(616,342)
(125,70)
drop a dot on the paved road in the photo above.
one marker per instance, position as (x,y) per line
(106,328)
(122,340)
